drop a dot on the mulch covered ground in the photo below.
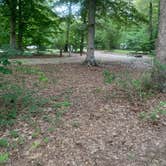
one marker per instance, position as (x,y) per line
(100,128)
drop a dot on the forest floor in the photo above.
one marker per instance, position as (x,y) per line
(96,123)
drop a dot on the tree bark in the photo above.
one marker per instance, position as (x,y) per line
(12,7)
(82,35)
(159,69)
(161,48)
(90,59)
(67,49)
(20,27)
(82,43)
(61,52)
(12,32)
(150,21)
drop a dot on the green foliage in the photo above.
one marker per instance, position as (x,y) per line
(159,76)
(137,39)
(4,62)
(15,99)
(42,77)
(4,157)
(46,140)
(35,145)
(62,104)
(14,134)
(136,89)
(36,133)
(60,113)
(27,70)
(107,35)
(33,71)
(108,77)
(4,142)
(156,114)
(75,124)
(42,27)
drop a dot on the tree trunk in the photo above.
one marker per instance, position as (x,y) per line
(61,54)
(12,7)
(68,28)
(159,69)
(82,35)
(82,43)
(20,27)
(150,22)
(90,59)
(161,49)
(12,32)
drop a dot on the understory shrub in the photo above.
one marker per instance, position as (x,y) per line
(159,76)
(156,114)
(15,97)
(135,88)
(108,77)
(16,100)
(141,86)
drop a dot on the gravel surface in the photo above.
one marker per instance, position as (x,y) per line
(101,56)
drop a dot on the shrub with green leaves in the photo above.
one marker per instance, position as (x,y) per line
(17,100)
(4,62)
(4,142)
(108,77)
(62,104)
(4,157)
(14,134)
(156,114)
(159,76)
(138,89)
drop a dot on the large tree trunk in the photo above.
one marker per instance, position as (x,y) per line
(150,22)
(82,43)
(82,34)
(20,27)
(90,59)
(159,70)
(12,7)
(12,32)
(161,49)
(67,44)
(12,4)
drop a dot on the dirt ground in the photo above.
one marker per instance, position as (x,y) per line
(101,127)
(101,56)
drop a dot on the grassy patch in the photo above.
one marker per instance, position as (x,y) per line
(118,51)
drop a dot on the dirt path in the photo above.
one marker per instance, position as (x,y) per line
(101,56)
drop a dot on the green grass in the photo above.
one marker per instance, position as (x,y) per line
(119,51)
